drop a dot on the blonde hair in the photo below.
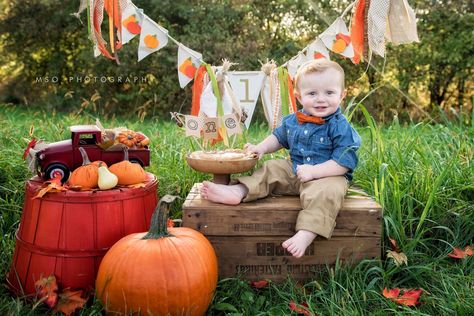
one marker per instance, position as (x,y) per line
(317,65)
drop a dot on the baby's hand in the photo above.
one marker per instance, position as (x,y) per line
(304,172)
(254,149)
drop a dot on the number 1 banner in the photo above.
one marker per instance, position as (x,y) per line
(246,86)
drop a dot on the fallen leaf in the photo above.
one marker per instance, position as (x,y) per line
(393,244)
(46,290)
(392,293)
(301,308)
(458,253)
(137,185)
(259,284)
(69,301)
(52,185)
(409,297)
(170,223)
(398,257)
(468,251)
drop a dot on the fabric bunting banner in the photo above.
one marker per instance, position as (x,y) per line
(220,97)
(188,63)
(337,38)
(246,86)
(317,50)
(132,19)
(153,37)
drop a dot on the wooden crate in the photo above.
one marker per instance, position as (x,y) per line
(247,237)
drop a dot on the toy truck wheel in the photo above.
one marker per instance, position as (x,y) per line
(57,167)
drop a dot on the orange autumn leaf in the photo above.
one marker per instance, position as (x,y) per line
(136,185)
(170,223)
(409,297)
(458,253)
(46,290)
(69,301)
(392,293)
(468,251)
(393,244)
(52,185)
(301,308)
(259,284)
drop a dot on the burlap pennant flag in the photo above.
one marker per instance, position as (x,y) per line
(193,125)
(188,63)
(210,126)
(132,18)
(231,124)
(246,86)
(153,37)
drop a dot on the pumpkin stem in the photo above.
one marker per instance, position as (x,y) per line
(159,220)
(125,152)
(85,158)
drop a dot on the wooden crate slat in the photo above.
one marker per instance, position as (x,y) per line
(255,258)
(275,216)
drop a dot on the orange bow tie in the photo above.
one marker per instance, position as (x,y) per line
(303,118)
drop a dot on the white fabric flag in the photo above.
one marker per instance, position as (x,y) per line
(209,101)
(295,63)
(188,62)
(246,86)
(132,18)
(401,26)
(153,37)
(317,50)
(337,38)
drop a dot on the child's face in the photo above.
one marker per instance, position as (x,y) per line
(320,93)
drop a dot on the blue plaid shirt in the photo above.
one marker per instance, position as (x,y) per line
(312,144)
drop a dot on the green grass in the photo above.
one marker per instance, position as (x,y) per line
(422,174)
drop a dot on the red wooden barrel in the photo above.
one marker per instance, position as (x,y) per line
(68,233)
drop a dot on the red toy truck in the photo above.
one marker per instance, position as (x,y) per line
(64,156)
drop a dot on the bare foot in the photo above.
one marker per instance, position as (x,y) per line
(225,194)
(297,244)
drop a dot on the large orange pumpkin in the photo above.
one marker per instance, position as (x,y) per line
(167,271)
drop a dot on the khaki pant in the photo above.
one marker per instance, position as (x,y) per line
(320,199)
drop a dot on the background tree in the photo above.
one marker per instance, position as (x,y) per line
(40,39)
